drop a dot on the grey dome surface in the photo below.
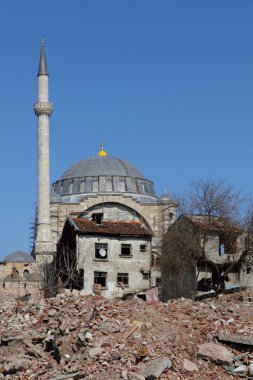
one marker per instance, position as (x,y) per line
(102,166)
(101,174)
(19,257)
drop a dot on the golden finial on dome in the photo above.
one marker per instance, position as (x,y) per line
(102,152)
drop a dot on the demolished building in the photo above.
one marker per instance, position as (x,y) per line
(206,249)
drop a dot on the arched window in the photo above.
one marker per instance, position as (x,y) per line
(108,185)
(122,185)
(82,186)
(25,274)
(95,185)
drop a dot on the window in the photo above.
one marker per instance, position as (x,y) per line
(221,249)
(101,251)
(143,248)
(145,275)
(97,217)
(121,185)
(122,278)
(82,186)
(126,249)
(227,244)
(100,278)
(95,185)
(25,274)
(71,187)
(158,281)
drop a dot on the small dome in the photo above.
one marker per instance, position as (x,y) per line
(164,198)
(19,257)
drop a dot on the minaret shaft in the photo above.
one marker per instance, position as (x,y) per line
(43,109)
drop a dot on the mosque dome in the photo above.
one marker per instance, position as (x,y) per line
(101,174)
(19,257)
(164,198)
(102,166)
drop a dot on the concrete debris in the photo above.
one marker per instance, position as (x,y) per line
(190,366)
(246,340)
(153,369)
(216,353)
(78,336)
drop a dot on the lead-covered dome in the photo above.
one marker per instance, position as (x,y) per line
(102,166)
(101,174)
(19,257)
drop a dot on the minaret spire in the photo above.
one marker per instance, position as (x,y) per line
(43,63)
(43,109)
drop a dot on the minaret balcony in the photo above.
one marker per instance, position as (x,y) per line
(43,108)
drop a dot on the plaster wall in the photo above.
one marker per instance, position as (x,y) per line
(115,263)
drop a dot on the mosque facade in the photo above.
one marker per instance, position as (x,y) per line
(102,207)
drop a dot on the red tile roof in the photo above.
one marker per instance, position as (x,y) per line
(112,228)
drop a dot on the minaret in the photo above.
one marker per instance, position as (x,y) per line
(43,109)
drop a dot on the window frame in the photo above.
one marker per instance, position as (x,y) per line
(130,250)
(144,249)
(123,277)
(100,275)
(96,251)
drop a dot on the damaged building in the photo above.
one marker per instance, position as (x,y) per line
(202,251)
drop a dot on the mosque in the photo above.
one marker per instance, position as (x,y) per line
(103,208)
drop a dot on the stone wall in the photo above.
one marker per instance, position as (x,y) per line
(19,289)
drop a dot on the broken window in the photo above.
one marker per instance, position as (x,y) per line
(126,249)
(97,217)
(122,278)
(100,278)
(101,251)
(143,247)
(145,275)
(227,244)
(221,249)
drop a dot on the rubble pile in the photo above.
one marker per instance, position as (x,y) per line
(88,337)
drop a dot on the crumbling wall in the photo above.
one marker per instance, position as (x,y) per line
(19,289)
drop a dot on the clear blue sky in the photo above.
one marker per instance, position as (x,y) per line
(167,84)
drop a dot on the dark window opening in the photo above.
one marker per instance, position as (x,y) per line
(122,278)
(97,217)
(171,215)
(101,251)
(143,248)
(145,275)
(158,281)
(248,270)
(126,249)
(142,296)
(227,244)
(25,273)
(221,249)
(100,278)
